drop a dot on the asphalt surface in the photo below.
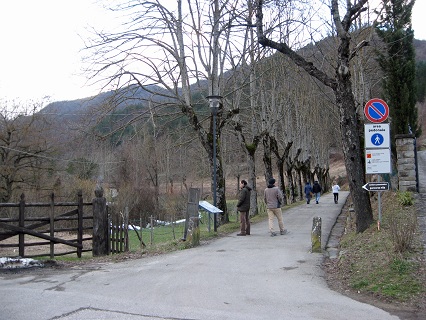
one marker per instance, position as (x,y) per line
(421,196)
(252,277)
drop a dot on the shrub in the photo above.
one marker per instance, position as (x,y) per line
(405,198)
(402,227)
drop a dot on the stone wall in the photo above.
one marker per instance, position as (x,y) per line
(406,162)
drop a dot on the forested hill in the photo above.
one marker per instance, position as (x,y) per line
(420,47)
(72,108)
(126,98)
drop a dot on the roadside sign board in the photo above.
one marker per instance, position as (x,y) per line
(376,186)
(377,161)
(377,135)
(376,110)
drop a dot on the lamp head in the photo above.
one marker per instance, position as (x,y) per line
(214,101)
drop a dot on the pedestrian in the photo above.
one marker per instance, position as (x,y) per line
(243,206)
(316,189)
(308,192)
(273,199)
(335,188)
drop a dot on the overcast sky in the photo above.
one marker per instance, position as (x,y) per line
(40,56)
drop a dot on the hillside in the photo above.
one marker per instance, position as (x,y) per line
(130,95)
(420,47)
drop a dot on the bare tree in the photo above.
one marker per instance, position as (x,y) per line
(24,149)
(178,46)
(341,85)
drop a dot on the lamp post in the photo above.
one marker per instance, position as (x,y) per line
(214,102)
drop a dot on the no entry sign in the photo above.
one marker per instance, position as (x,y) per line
(376,110)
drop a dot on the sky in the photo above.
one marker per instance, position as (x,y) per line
(40,53)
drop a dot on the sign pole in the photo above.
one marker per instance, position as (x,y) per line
(377,137)
(379,221)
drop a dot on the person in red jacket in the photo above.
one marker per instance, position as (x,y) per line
(243,206)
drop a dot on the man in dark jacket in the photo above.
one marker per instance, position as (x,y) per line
(316,189)
(243,206)
(308,191)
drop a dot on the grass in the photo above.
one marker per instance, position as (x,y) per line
(375,263)
(169,238)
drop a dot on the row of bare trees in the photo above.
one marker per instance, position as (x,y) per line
(176,45)
(282,112)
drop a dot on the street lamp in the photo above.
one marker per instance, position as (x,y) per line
(214,102)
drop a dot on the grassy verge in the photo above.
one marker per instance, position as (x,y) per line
(386,264)
(164,239)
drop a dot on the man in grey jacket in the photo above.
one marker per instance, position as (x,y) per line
(273,199)
(243,206)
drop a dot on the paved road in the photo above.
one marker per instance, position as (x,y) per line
(421,196)
(252,277)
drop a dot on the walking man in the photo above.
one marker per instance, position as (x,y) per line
(308,192)
(243,206)
(316,189)
(273,199)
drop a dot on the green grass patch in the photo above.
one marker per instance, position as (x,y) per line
(162,239)
(372,262)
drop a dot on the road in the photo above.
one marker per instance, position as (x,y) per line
(252,277)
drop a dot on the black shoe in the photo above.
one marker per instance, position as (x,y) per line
(241,234)
(317,202)
(273,234)
(283,232)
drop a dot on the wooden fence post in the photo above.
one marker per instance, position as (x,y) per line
(80,222)
(100,224)
(152,228)
(22,224)
(52,224)
(126,229)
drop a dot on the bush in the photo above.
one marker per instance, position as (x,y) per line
(405,198)
(402,227)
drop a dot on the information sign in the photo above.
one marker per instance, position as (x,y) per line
(376,186)
(377,161)
(377,135)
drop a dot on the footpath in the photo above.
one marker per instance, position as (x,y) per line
(421,196)
(252,277)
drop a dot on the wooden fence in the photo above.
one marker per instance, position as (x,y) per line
(107,233)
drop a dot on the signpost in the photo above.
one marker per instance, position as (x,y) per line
(376,186)
(377,147)
(376,110)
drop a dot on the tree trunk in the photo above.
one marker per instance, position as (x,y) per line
(353,157)
(342,87)
(267,157)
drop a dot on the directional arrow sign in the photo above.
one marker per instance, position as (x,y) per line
(376,186)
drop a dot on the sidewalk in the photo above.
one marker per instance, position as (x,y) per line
(252,277)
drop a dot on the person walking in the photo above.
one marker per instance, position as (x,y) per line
(308,192)
(243,206)
(316,189)
(273,199)
(335,188)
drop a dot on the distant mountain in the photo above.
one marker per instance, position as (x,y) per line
(123,98)
(420,48)
(135,95)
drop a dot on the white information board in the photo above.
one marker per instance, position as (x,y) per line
(209,207)
(377,161)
